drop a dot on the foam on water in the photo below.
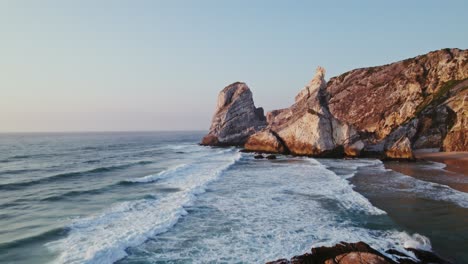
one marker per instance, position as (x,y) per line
(163,174)
(103,238)
(265,210)
(430,190)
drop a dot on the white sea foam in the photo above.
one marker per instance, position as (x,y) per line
(338,188)
(429,190)
(265,210)
(436,165)
(103,238)
(161,175)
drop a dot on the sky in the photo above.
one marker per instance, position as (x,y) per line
(158,65)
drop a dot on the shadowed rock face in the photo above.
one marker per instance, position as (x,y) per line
(383,111)
(235,118)
(457,108)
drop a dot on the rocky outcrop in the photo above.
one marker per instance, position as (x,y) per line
(307,127)
(384,111)
(377,101)
(360,253)
(401,149)
(265,141)
(457,105)
(235,118)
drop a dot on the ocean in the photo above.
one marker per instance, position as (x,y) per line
(159,197)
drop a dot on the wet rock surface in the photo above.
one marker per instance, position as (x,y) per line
(360,253)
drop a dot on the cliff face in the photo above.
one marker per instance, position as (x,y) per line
(377,101)
(307,127)
(386,110)
(235,118)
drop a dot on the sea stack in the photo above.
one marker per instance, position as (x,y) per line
(235,118)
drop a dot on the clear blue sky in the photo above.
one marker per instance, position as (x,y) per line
(159,65)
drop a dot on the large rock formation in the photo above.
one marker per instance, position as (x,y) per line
(307,127)
(377,101)
(383,111)
(235,118)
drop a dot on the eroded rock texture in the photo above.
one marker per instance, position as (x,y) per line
(307,127)
(235,118)
(383,111)
(377,101)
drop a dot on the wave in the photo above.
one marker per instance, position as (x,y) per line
(16,171)
(68,175)
(30,156)
(44,236)
(429,190)
(161,175)
(339,189)
(285,207)
(103,238)
(71,194)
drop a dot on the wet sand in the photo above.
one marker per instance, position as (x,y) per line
(419,207)
(454,174)
(455,161)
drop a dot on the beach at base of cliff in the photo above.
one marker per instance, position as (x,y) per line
(455,161)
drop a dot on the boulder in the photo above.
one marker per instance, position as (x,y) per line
(235,118)
(354,150)
(401,149)
(265,141)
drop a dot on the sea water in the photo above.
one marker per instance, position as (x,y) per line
(159,197)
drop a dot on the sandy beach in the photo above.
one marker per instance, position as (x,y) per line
(455,161)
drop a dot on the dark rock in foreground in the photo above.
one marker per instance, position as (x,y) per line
(259,156)
(359,253)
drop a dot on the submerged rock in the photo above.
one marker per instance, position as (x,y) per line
(235,118)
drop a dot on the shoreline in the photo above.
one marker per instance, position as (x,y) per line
(455,161)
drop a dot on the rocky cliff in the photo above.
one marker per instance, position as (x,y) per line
(421,99)
(384,111)
(305,128)
(235,118)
